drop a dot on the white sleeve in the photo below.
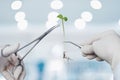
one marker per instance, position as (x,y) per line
(116,73)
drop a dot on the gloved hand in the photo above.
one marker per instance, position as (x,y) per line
(104,46)
(9,63)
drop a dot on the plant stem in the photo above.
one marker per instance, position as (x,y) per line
(63,35)
(63,28)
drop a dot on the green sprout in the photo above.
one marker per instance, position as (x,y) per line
(63,19)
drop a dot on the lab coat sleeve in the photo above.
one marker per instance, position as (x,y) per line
(116,73)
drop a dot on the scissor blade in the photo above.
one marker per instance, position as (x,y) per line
(47,32)
(40,38)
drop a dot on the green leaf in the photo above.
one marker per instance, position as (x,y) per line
(60,16)
(65,19)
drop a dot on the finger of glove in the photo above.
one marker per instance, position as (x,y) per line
(11,49)
(13,59)
(99,59)
(97,37)
(90,57)
(17,72)
(22,76)
(7,75)
(87,49)
(20,70)
(84,55)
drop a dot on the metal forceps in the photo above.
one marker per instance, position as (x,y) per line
(36,41)
(73,44)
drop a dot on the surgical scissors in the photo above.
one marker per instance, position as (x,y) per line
(37,40)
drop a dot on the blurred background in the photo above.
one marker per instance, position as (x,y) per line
(22,21)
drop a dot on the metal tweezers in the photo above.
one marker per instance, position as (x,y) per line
(36,41)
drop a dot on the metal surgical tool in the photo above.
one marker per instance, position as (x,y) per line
(73,44)
(36,41)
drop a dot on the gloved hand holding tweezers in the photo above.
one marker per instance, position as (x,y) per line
(9,63)
(103,47)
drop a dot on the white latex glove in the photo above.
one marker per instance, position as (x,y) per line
(9,62)
(104,46)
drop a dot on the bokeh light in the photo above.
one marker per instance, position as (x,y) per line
(57,50)
(87,16)
(80,24)
(56,4)
(55,65)
(22,25)
(16,5)
(111,77)
(2,78)
(119,22)
(52,16)
(96,4)
(19,16)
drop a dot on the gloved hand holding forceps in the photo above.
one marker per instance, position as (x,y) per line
(103,47)
(9,63)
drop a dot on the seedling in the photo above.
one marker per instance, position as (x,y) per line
(63,19)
